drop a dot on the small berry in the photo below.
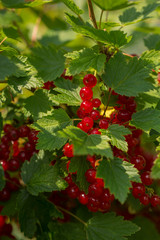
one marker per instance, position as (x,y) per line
(155,201)
(83,198)
(131,105)
(139,162)
(87,123)
(86,106)
(95,115)
(144,199)
(138,190)
(103,123)
(96,102)
(90,80)
(4,165)
(24,131)
(95,131)
(90,175)
(29,147)
(95,190)
(92,160)
(105,206)
(124,116)
(68,150)
(146,178)
(13,134)
(73,191)
(86,93)
(32,136)
(14,165)
(7,128)
(48,85)
(4,194)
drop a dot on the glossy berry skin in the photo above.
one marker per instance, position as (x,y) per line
(144,199)
(155,200)
(32,136)
(5,139)
(2,221)
(73,191)
(24,131)
(95,115)
(87,123)
(122,99)
(68,150)
(13,135)
(86,93)
(3,148)
(29,147)
(7,128)
(22,156)
(146,178)
(93,202)
(92,160)
(81,113)
(90,175)
(68,179)
(83,198)
(13,184)
(79,125)
(14,164)
(106,196)
(96,102)
(4,164)
(48,85)
(123,116)
(138,190)
(139,162)
(4,195)
(131,105)
(86,106)
(90,80)
(95,190)
(105,206)
(95,131)
(103,123)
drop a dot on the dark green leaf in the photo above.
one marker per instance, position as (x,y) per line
(84,59)
(108,226)
(10,207)
(127,77)
(41,177)
(149,8)
(48,62)
(129,15)
(87,144)
(7,18)
(115,178)
(156,169)
(7,67)
(2,181)
(113,5)
(131,171)
(147,119)
(72,6)
(152,42)
(48,126)
(23,3)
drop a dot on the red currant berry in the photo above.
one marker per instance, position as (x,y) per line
(24,131)
(87,123)
(4,165)
(13,185)
(14,164)
(83,198)
(48,85)
(80,113)
(3,148)
(122,99)
(139,162)
(13,135)
(29,147)
(4,194)
(95,115)
(95,190)
(155,201)
(22,156)
(2,221)
(90,175)
(136,133)
(146,178)
(86,93)
(124,116)
(144,199)
(138,190)
(131,105)
(7,128)
(105,206)
(106,196)
(5,139)
(73,191)
(103,123)
(92,160)
(90,80)
(86,106)
(93,202)
(7,229)
(66,76)
(68,179)
(96,102)
(79,125)
(32,136)
(68,150)
(95,131)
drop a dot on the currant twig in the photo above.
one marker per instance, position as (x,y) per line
(100,21)
(109,96)
(91,14)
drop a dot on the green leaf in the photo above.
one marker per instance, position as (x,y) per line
(153,56)
(129,15)
(49,126)
(85,144)
(84,59)
(127,76)
(152,42)
(149,8)
(38,104)
(41,177)
(116,133)
(108,226)
(116,38)
(115,178)
(80,165)
(10,207)
(132,172)
(7,18)
(72,6)
(69,93)
(7,67)
(2,181)
(111,5)
(48,62)
(147,119)
(156,169)
(23,3)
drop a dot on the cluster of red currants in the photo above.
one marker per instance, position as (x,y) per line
(5,228)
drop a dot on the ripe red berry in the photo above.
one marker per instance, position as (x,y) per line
(96,102)
(92,160)
(103,123)
(32,136)
(7,128)
(13,134)
(138,190)
(87,123)
(83,198)
(81,113)
(48,85)
(90,175)
(90,80)
(22,156)
(29,147)
(146,178)
(4,194)
(139,162)
(95,190)
(2,221)
(86,106)
(93,202)
(4,165)
(3,148)
(106,196)
(68,179)
(144,199)
(86,93)
(5,139)
(68,150)
(13,184)
(66,76)
(95,115)
(14,164)
(95,131)
(73,191)
(7,229)
(24,131)
(131,105)
(155,201)
(105,206)
(122,99)
(124,116)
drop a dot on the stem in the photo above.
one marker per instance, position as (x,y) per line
(35,30)
(3,40)
(91,14)
(128,55)
(110,93)
(3,81)
(80,18)
(100,21)
(71,214)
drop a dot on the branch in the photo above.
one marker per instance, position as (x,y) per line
(91,14)
(35,30)
(3,40)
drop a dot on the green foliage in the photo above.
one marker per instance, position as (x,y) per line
(23,3)
(107,227)
(131,171)
(127,76)
(7,67)
(48,62)
(49,126)
(85,59)
(129,15)
(72,6)
(113,169)
(113,5)
(41,177)
(2,180)
(87,144)
(156,169)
